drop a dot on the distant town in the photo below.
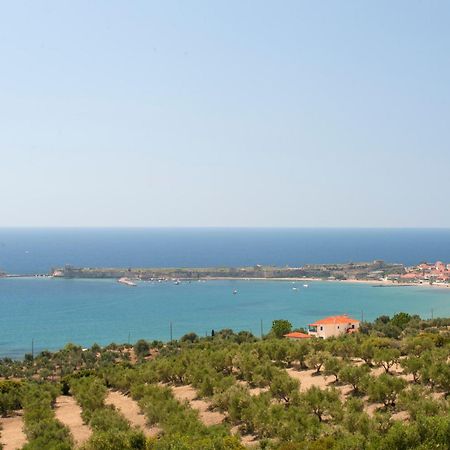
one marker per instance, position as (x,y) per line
(437,273)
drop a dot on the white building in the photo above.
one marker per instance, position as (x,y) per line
(333,326)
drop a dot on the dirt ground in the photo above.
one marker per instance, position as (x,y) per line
(11,433)
(249,440)
(188,393)
(395,370)
(253,391)
(68,412)
(131,411)
(308,378)
(208,418)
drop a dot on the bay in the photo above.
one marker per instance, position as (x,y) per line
(53,312)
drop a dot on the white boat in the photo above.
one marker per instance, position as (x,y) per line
(294,288)
(126,281)
(305,286)
(235,292)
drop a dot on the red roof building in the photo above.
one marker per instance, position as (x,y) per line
(333,326)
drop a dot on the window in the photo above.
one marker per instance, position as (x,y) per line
(321,328)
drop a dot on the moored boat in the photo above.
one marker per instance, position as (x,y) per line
(126,281)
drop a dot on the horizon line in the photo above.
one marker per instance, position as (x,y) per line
(209,227)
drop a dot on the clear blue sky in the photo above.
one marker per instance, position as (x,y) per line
(231,113)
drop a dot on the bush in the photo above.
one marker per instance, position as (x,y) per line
(104,419)
(10,397)
(90,393)
(189,337)
(116,440)
(385,389)
(357,376)
(281,327)
(41,427)
(321,402)
(142,348)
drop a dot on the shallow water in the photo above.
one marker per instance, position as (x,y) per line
(53,312)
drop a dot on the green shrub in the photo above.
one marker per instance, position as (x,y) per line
(41,427)
(10,397)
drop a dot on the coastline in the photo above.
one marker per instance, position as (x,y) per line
(374,283)
(376,273)
(384,283)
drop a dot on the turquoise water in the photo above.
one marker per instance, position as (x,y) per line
(53,312)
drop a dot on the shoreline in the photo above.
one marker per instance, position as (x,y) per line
(384,283)
(374,283)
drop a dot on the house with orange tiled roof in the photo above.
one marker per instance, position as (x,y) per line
(333,326)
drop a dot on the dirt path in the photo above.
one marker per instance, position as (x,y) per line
(188,393)
(131,411)
(68,412)
(11,433)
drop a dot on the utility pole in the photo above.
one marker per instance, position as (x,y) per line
(362,316)
(171,335)
(261,328)
(32,348)
(129,337)
(432,314)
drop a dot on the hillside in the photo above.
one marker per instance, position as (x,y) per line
(383,388)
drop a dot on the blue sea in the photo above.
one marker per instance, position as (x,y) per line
(37,250)
(52,312)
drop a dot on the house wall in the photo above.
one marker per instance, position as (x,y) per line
(329,330)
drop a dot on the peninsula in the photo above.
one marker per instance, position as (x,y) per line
(437,273)
(375,270)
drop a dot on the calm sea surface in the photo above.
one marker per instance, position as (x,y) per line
(54,312)
(37,250)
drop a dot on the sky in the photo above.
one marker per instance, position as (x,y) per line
(225,113)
